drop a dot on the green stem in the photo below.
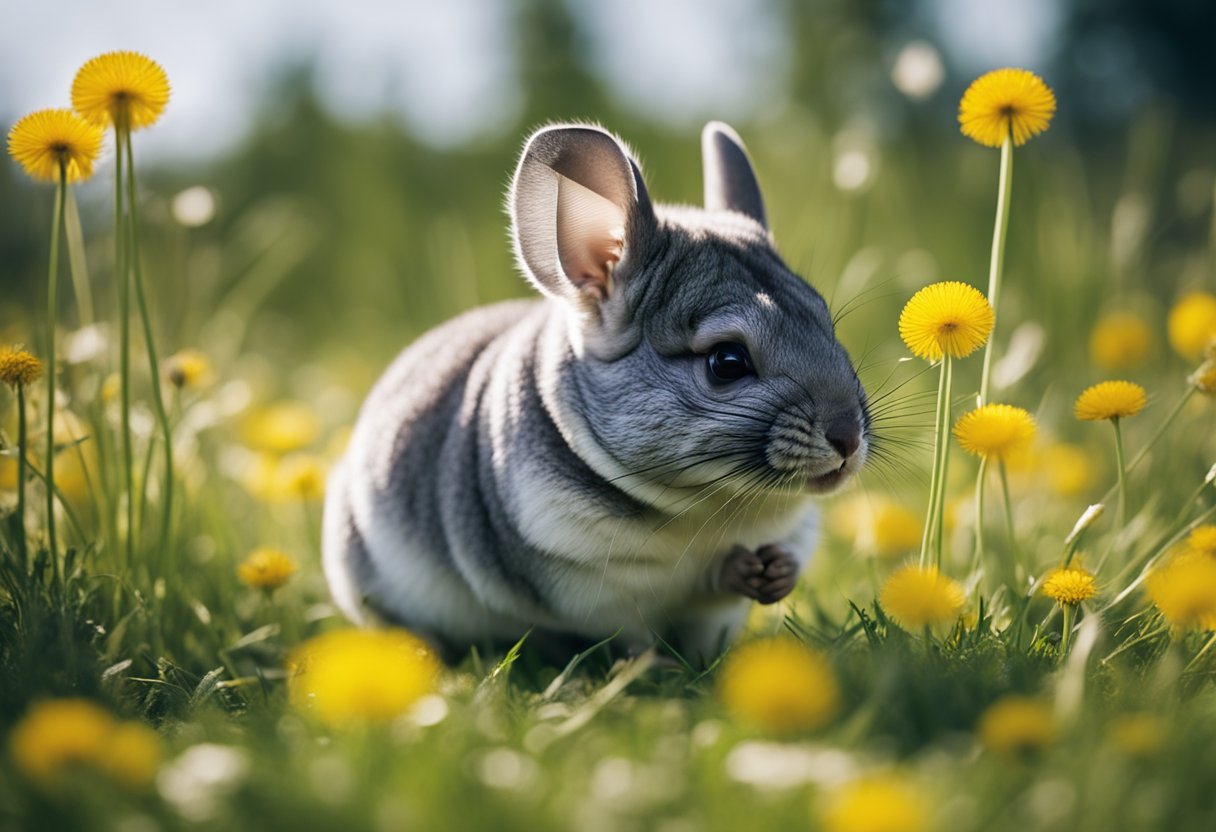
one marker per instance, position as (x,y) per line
(142,510)
(1013,541)
(979,511)
(123,277)
(1013,562)
(1066,632)
(1156,437)
(22,550)
(995,265)
(934,485)
(943,442)
(158,400)
(78,263)
(51,307)
(1121,511)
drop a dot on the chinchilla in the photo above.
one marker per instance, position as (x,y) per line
(633,454)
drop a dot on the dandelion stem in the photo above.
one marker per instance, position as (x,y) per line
(158,400)
(936,486)
(996,264)
(1066,629)
(944,439)
(927,534)
(78,263)
(51,307)
(933,537)
(979,511)
(1013,541)
(1156,437)
(22,551)
(1121,511)
(122,276)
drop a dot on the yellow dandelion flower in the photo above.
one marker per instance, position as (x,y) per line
(75,466)
(111,388)
(58,735)
(351,676)
(300,477)
(779,685)
(283,427)
(1184,590)
(260,476)
(8,473)
(123,88)
(1069,586)
(881,803)
(131,755)
(189,369)
(949,318)
(18,368)
(1202,540)
(1068,469)
(1204,377)
(1110,400)
(1017,724)
(266,568)
(1006,102)
(896,530)
(995,430)
(1192,325)
(916,597)
(44,141)
(1120,341)
(1137,734)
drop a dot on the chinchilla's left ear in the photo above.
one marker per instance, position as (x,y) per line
(578,207)
(730,183)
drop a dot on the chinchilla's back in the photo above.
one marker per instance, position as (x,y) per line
(394,487)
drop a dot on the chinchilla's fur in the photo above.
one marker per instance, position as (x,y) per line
(576,464)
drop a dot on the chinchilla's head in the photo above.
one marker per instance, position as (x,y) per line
(701,360)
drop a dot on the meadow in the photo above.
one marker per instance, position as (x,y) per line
(169,657)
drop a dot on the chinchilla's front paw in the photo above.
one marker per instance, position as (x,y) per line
(767,574)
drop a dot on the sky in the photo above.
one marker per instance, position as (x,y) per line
(444,68)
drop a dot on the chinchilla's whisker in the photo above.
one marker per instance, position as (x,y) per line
(754,482)
(700,458)
(861,299)
(717,485)
(880,394)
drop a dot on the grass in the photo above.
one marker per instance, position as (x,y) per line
(175,639)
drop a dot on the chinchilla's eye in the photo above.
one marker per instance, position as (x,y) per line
(728,362)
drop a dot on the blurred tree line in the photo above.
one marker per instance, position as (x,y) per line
(340,238)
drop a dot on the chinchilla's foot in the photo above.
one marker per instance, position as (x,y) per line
(767,574)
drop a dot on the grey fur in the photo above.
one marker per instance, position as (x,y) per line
(565,463)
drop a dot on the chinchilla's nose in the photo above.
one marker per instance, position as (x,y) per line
(843,433)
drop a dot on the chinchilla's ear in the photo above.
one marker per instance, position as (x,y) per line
(578,206)
(730,183)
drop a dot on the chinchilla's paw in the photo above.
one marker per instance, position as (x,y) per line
(767,574)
